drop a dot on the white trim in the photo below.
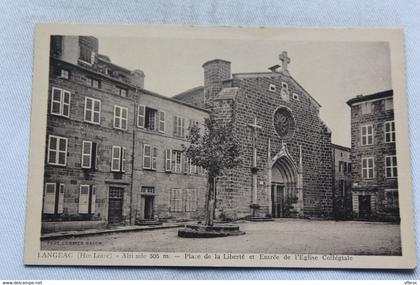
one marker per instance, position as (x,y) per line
(168,159)
(123,159)
(272,87)
(60,206)
(141,116)
(391,166)
(92,121)
(83,207)
(154,155)
(61,102)
(45,209)
(85,154)
(57,150)
(121,118)
(367,167)
(118,159)
(391,132)
(147,156)
(367,134)
(160,130)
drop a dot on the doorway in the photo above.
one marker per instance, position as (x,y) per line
(364,207)
(148,207)
(277,198)
(115,205)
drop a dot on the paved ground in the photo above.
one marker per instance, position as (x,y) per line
(280,236)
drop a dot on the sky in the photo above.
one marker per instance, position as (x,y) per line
(332,72)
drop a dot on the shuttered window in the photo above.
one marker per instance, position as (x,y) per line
(161,121)
(53,198)
(141,110)
(179,126)
(168,160)
(57,150)
(120,117)
(60,102)
(92,112)
(87,199)
(176,200)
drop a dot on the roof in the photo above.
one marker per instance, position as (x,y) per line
(363,98)
(337,146)
(269,74)
(193,96)
(228,93)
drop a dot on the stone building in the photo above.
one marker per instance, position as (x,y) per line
(374,158)
(342,182)
(112,147)
(286,168)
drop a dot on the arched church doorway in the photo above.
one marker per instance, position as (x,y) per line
(283,187)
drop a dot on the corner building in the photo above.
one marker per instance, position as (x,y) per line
(374,157)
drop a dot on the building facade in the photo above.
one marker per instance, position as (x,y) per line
(342,182)
(286,168)
(105,131)
(374,158)
(114,150)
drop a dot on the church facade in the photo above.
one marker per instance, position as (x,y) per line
(287,167)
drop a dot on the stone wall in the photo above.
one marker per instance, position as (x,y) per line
(255,100)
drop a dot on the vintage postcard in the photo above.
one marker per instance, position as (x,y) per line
(219,146)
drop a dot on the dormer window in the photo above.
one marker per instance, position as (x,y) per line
(64,73)
(122,91)
(272,88)
(93,82)
(87,55)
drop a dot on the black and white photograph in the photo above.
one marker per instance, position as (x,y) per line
(259,147)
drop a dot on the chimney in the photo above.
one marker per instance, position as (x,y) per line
(215,72)
(137,78)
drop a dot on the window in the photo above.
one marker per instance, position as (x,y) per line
(295,96)
(367,135)
(150,118)
(367,168)
(122,91)
(183,200)
(89,155)
(389,104)
(284,85)
(192,167)
(141,110)
(366,108)
(87,199)
(179,126)
(389,131)
(272,88)
(391,166)
(53,200)
(190,198)
(92,110)
(176,200)
(391,198)
(148,190)
(149,157)
(120,117)
(60,102)
(118,162)
(57,150)
(177,161)
(349,167)
(95,83)
(168,160)
(64,74)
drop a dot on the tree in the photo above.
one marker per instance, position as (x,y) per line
(215,148)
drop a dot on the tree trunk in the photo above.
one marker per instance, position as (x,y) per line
(210,200)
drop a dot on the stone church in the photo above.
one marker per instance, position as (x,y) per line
(287,167)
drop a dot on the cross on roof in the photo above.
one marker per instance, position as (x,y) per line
(285,60)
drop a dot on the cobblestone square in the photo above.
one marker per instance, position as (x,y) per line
(280,236)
